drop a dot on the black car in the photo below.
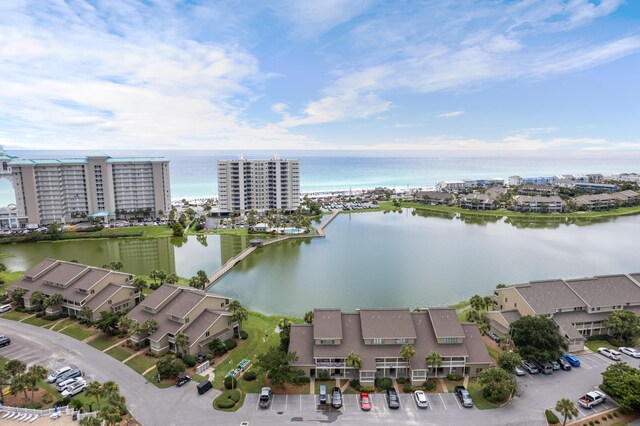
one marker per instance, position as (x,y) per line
(464,396)
(4,341)
(392,398)
(336,397)
(494,337)
(201,357)
(182,379)
(564,364)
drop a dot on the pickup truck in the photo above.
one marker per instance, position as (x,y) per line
(592,399)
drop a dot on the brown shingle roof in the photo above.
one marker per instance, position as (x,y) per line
(37,269)
(478,353)
(604,291)
(180,305)
(201,324)
(387,324)
(327,324)
(63,272)
(90,278)
(301,342)
(428,342)
(511,316)
(105,294)
(545,296)
(159,295)
(445,323)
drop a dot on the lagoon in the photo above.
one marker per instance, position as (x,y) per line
(373,259)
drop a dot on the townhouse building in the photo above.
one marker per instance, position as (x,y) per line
(538,204)
(435,197)
(376,336)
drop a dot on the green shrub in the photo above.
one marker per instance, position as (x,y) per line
(454,376)
(324,375)
(225,403)
(244,335)
(604,418)
(230,344)
(355,383)
(39,314)
(368,390)
(609,416)
(429,386)
(384,383)
(551,417)
(189,360)
(249,376)
(597,422)
(228,384)
(407,388)
(591,423)
(401,380)
(302,380)
(234,395)
(615,414)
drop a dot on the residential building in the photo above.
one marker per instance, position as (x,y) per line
(10,219)
(515,180)
(578,306)
(377,335)
(625,177)
(451,185)
(595,178)
(70,189)
(607,201)
(487,200)
(259,185)
(435,197)
(534,189)
(80,286)
(595,186)
(538,204)
(202,316)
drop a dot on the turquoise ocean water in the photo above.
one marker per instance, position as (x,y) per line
(193,173)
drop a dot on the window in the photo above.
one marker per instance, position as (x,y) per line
(326,341)
(377,341)
(506,300)
(206,334)
(401,341)
(450,340)
(109,302)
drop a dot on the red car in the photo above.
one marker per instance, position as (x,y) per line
(365,402)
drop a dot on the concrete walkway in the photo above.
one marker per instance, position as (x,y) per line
(140,352)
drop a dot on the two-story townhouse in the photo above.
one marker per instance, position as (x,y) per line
(200,315)
(435,197)
(538,204)
(80,286)
(376,336)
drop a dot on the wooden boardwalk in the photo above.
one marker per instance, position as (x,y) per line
(213,278)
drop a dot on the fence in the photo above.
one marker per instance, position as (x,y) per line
(49,411)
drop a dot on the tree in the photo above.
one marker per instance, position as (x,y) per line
(90,421)
(55,231)
(483,324)
(476,302)
(239,313)
(181,341)
(434,360)
(275,363)
(154,274)
(178,229)
(149,326)
(170,366)
(124,324)
(37,299)
(488,302)
(625,325)
(622,383)
(33,376)
(308,317)
(53,300)
(75,403)
(537,339)
(202,277)
(14,368)
(139,284)
(19,384)
(354,361)
(17,296)
(94,389)
(508,361)
(108,322)
(497,384)
(171,279)
(407,351)
(285,332)
(4,380)
(567,409)
(3,267)
(472,315)
(86,313)
(217,347)
(110,414)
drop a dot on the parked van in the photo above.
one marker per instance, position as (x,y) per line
(545,368)
(203,387)
(323,394)
(5,308)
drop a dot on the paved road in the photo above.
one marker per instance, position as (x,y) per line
(183,406)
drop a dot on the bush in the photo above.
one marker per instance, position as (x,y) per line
(233,395)
(324,375)
(407,388)
(302,380)
(401,380)
(367,390)
(244,335)
(170,366)
(230,344)
(551,417)
(218,347)
(384,383)
(225,403)
(39,314)
(249,376)
(189,360)
(228,384)
(609,416)
(429,386)
(454,376)
(355,383)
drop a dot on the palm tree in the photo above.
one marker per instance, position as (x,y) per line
(171,279)
(239,312)
(37,298)
(566,408)
(434,360)
(110,414)
(90,421)
(19,384)
(4,380)
(285,327)
(181,341)
(34,375)
(354,361)
(86,313)
(110,387)
(94,389)
(488,302)
(150,326)
(54,300)
(407,351)
(308,317)
(76,404)
(134,329)
(139,284)
(124,324)
(476,302)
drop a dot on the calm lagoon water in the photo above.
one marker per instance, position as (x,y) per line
(373,259)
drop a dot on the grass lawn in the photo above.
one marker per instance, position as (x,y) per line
(118,353)
(253,386)
(78,332)
(103,341)
(141,363)
(595,344)
(328,383)
(15,315)
(225,395)
(62,324)
(9,277)
(451,384)
(256,326)
(152,377)
(476,394)
(493,352)
(39,322)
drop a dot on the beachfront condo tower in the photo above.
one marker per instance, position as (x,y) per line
(72,189)
(258,185)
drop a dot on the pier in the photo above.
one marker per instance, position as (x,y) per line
(229,264)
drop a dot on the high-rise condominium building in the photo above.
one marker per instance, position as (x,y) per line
(258,185)
(68,189)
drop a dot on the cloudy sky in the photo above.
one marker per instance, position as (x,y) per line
(330,74)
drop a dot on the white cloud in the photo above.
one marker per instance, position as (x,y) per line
(451,114)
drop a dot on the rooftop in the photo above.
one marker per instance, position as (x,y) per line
(386,324)
(327,324)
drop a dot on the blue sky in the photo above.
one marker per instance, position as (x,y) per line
(331,74)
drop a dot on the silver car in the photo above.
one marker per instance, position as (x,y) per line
(610,353)
(519,371)
(631,352)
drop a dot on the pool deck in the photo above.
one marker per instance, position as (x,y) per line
(229,264)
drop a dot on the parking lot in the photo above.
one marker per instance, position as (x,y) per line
(27,352)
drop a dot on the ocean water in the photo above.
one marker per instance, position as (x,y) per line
(193,173)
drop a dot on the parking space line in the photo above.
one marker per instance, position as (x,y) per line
(300,402)
(286,402)
(443,403)
(581,412)
(273,402)
(455,398)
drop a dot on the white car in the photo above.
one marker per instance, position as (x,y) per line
(74,389)
(519,371)
(610,353)
(631,352)
(54,376)
(421,399)
(63,385)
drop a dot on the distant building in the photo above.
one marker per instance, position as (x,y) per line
(10,219)
(435,197)
(538,204)
(100,290)
(377,335)
(515,181)
(533,189)
(70,189)
(259,185)
(625,177)
(607,201)
(451,185)
(595,186)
